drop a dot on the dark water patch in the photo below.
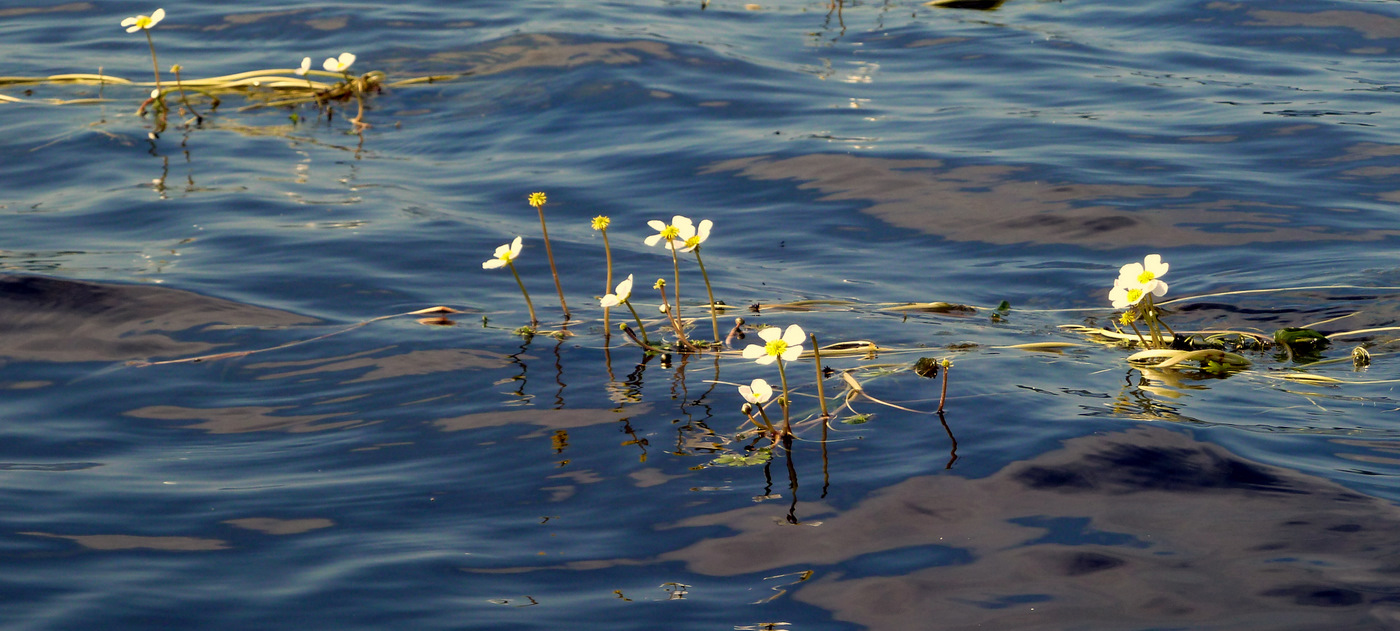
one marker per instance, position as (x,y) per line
(1170,530)
(57,320)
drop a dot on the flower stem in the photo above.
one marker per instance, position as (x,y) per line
(607,311)
(533,321)
(155,66)
(714,321)
(676,264)
(764,414)
(639,320)
(184,98)
(550,252)
(821,391)
(786,402)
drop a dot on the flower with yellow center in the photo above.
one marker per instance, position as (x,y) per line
(786,346)
(536,199)
(601,222)
(505,255)
(692,237)
(1146,274)
(1126,293)
(659,284)
(305,67)
(757,393)
(339,64)
(143,22)
(670,232)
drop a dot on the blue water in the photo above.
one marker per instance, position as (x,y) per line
(412,475)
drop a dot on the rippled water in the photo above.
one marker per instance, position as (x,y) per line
(318,473)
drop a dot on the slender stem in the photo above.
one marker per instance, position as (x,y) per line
(947,368)
(786,402)
(676,264)
(1139,333)
(714,321)
(639,320)
(184,98)
(607,311)
(155,66)
(821,391)
(550,252)
(764,414)
(533,321)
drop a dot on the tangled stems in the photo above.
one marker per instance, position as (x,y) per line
(676,324)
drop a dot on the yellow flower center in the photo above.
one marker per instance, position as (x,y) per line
(1134,295)
(670,233)
(601,222)
(1127,318)
(537,199)
(1146,277)
(143,21)
(776,348)
(693,242)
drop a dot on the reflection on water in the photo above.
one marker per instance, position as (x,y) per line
(1141,527)
(56,320)
(996,204)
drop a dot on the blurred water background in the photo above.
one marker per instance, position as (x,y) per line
(418,476)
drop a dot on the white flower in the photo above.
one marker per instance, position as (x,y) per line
(670,232)
(143,21)
(758,393)
(788,346)
(624,290)
(155,93)
(505,255)
(340,64)
(1147,274)
(305,66)
(692,238)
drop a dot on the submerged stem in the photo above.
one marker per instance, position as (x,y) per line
(607,311)
(821,391)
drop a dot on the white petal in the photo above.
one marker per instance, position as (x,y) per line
(651,240)
(157,16)
(747,393)
(624,288)
(610,300)
(682,222)
(794,336)
(769,333)
(515,248)
(346,60)
(128,21)
(1160,289)
(765,360)
(754,351)
(493,264)
(792,353)
(1154,264)
(330,64)
(133,29)
(762,389)
(704,231)
(656,225)
(685,231)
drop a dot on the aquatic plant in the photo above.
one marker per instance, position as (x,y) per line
(505,257)
(1133,290)
(538,201)
(621,296)
(145,23)
(779,348)
(600,223)
(692,238)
